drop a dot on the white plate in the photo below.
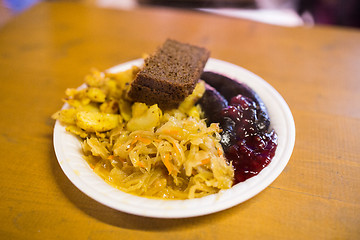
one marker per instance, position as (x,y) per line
(69,155)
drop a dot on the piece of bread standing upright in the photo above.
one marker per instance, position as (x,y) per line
(169,75)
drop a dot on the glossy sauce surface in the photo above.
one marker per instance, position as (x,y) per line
(251,148)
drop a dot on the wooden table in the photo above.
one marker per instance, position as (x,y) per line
(53,45)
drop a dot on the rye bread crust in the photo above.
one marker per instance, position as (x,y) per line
(169,75)
(147,96)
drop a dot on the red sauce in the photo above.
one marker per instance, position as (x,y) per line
(253,148)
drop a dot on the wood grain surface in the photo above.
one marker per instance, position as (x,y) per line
(54,45)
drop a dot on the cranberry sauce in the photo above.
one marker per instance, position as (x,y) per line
(252,147)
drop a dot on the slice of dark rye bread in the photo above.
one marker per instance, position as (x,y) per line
(169,75)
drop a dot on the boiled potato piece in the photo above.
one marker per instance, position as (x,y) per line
(125,109)
(113,90)
(187,105)
(96,94)
(77,131)
(139,109)
(144,117)
(195,112)
(67,116)
(97,121)
(95,79)
(111,106)
(91,107)
(125,77)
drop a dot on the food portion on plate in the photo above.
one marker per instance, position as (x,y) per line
(246,137)
(168,130)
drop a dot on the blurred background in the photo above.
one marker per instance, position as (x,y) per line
(288,13)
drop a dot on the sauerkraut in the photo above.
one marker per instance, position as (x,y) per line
(142,150)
